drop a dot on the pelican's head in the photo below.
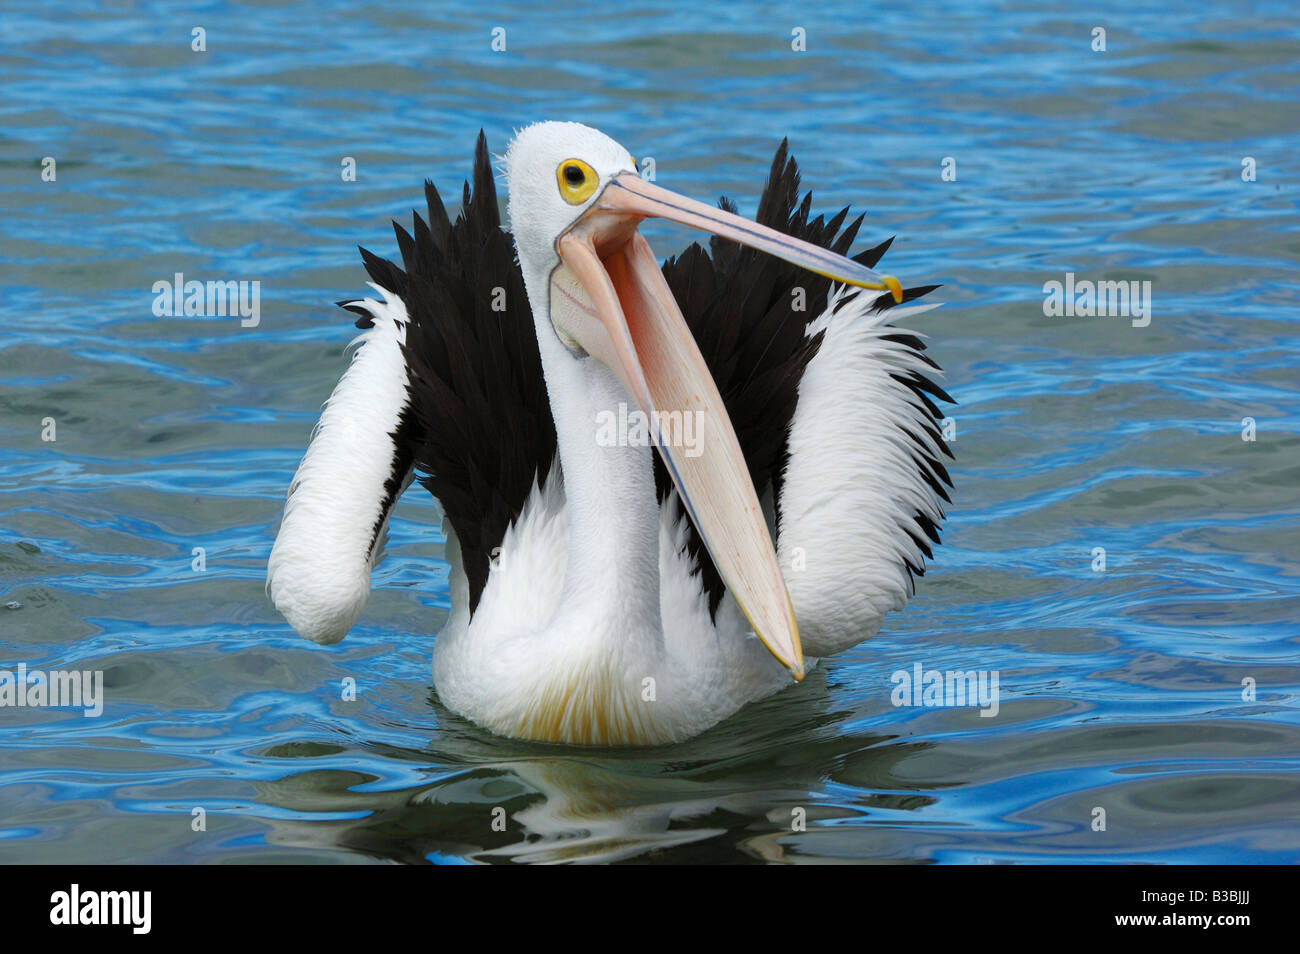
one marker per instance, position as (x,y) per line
(554,173)
(575,203)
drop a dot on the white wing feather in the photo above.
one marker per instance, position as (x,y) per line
(851,484)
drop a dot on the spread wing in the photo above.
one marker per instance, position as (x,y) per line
(863,496)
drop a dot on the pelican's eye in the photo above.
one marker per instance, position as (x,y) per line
(577,181)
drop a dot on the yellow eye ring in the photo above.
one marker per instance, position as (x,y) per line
(577,181)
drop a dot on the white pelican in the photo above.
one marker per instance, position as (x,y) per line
(607,588)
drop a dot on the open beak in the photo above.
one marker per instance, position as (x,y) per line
(610,298)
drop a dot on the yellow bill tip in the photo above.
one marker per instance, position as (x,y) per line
(895,289)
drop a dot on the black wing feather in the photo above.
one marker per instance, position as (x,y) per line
(478,425)
(741,306)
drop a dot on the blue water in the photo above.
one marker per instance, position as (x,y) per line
(1121,689)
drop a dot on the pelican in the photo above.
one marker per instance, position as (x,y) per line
(665,491)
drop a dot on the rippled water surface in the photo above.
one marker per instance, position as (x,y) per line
(1120,690)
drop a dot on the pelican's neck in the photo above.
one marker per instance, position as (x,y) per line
(610,501)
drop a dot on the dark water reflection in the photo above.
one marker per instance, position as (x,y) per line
(739,791)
